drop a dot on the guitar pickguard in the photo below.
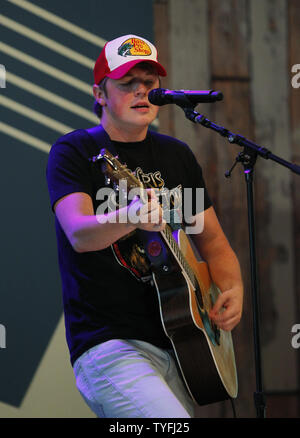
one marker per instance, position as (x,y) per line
(211,329)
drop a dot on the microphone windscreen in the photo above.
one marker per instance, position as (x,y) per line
(157,97)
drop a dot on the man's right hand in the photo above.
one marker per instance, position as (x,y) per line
(146,215)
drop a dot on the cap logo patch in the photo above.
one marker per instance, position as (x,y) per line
(134,47)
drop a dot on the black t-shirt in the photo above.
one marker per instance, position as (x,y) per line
(106,293)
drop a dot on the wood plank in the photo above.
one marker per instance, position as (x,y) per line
(190,65)
(162,42)
(229,37)
(232,213)
(270,92)
(294,58)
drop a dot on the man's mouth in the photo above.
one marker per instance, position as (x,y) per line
(140,105)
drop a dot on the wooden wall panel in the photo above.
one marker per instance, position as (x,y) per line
(294,58)
(232,212)
(270,93)
(191,59)
(240,47)
(162,39)
(229,38)
(229,41)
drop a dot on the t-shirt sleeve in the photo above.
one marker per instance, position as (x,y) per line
(68,171)
(199,193)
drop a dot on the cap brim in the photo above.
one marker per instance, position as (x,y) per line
(121,71)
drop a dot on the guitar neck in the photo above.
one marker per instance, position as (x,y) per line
(176,251)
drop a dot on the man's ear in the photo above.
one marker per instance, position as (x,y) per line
(99,95)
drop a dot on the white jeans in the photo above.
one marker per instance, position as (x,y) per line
(132,379)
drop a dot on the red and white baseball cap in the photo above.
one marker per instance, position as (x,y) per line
(121,54)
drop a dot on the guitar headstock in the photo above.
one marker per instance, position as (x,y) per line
(116,172)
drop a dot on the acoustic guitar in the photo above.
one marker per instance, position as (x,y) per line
(186,293)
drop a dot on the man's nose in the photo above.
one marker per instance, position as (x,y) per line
(140,88)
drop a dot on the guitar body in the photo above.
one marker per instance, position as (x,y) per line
(186,294)
(206,361)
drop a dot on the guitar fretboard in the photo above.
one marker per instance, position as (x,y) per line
(173,245)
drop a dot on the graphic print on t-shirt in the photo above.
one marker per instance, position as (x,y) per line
(129,250)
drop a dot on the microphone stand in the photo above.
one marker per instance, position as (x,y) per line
(248,159)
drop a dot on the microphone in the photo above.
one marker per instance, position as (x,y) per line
(184,98)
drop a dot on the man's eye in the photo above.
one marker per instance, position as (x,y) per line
(133,83)
(126,84)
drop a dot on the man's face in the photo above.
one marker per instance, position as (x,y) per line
(126,102)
